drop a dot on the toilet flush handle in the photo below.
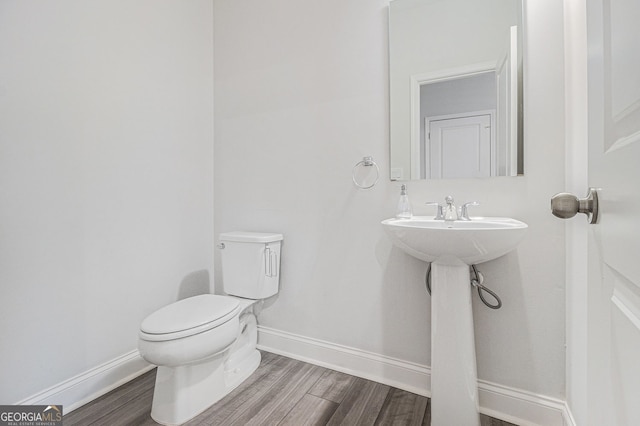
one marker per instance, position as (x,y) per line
(270,262)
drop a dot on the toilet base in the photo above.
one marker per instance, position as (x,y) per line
(181,393)
(233,378)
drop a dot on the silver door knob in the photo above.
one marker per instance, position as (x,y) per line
(565,205)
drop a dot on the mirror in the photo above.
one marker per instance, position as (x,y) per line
(455,88)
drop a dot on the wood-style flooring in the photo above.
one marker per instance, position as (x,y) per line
(282,392)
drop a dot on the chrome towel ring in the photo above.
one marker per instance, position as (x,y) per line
(366,162)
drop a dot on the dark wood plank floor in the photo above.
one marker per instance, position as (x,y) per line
(281,392)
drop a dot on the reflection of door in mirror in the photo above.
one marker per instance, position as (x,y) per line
(459,145)
(456,97)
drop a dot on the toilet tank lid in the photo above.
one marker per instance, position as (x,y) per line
(251,237)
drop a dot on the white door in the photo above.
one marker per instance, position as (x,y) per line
(459,147)
(613,299)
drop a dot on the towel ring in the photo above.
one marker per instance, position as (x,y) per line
(366,162)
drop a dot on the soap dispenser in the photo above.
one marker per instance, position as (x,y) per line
(404,206)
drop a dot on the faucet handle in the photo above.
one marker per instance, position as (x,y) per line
(439,211)
(449,200)
(464,209)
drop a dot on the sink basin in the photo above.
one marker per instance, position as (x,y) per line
(451,247)
(479,240)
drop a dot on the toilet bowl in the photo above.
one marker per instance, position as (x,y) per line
(205,346)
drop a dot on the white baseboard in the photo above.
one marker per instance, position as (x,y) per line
(87,386)
(518,406)
(502,402)
(405,375)
(569,420)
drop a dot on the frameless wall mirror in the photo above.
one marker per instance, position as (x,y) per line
(455,88)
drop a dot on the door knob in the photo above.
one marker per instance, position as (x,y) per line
(565,205)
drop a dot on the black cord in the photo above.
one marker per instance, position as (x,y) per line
(475,282)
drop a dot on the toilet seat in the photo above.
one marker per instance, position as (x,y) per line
(188,317)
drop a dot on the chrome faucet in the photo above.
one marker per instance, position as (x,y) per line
(464,210)
(439,211)
(450,211)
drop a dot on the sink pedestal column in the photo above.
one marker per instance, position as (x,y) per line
(454,387)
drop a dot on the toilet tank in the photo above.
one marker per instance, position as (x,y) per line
(250,263)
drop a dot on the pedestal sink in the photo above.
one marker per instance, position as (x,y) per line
(451,247)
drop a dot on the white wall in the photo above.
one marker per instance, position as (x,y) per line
(301,96)
(106,177)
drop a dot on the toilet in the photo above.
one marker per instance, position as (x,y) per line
(205,346)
